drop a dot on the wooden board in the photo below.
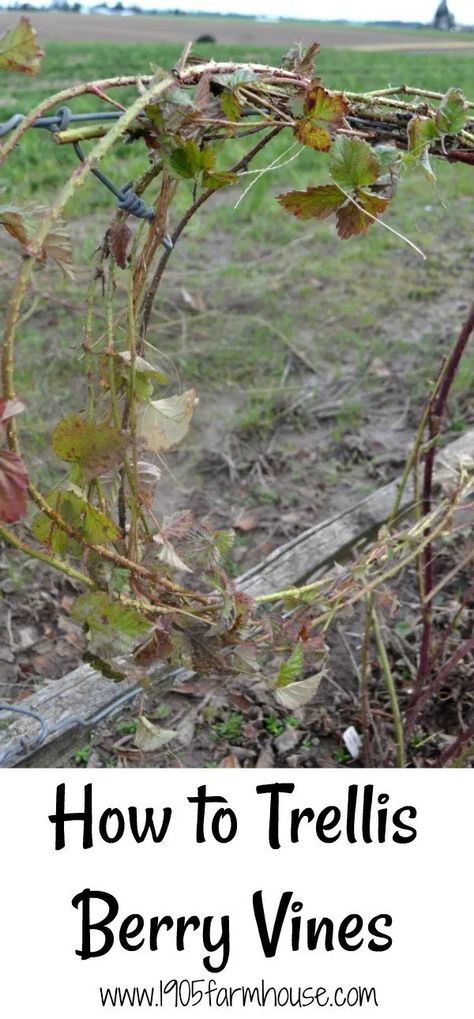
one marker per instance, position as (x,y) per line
(71,706)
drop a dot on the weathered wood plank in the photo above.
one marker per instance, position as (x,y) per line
(70,706)
(303,556)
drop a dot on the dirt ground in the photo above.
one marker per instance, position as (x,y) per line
(269,484)
(241,31)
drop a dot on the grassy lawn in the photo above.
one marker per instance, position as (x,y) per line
(258,306)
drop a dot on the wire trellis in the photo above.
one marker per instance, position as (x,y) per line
(127,200)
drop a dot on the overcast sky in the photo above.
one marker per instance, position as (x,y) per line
(360,10)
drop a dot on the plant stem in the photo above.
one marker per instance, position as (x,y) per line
(437,409)
(391,689)
(50,560)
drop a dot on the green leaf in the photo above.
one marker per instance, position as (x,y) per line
(388,157)
(243,76)
(422,132)
(296,695)
(452,112)
(314,203)
(101,613)
(224,540)
(292,668)
(88,522)
(52,536)
(230,105)
(186,160)
(353,163)
(352,219)
(19,50)
(162,424)
(143,367)
(96,447)
(219,179)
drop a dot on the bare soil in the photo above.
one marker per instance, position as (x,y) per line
(241,31)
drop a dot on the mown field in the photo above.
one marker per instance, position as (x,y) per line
(311,356)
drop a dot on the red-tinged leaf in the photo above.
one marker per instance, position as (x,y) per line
(21,225)
(203,96)
(118,239)
(16,223)
(300,60)
(421,131)
(314,203)
(58,247)
(95,447)
(324,111)
(19,50)
(13,486)
(353,219)
(324,106)
(157,647)
(309,132)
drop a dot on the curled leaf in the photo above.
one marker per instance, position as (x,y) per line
(9,409)
(422,132)
(118,240)
(148,476)
(301,60)
(143,367)
(13,486)
(21,225)
(296,695)
(150,737)
(167,554)
(292,668)
(162,424)
(19,50)
(451,115)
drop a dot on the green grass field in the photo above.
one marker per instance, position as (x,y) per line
(263,284)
